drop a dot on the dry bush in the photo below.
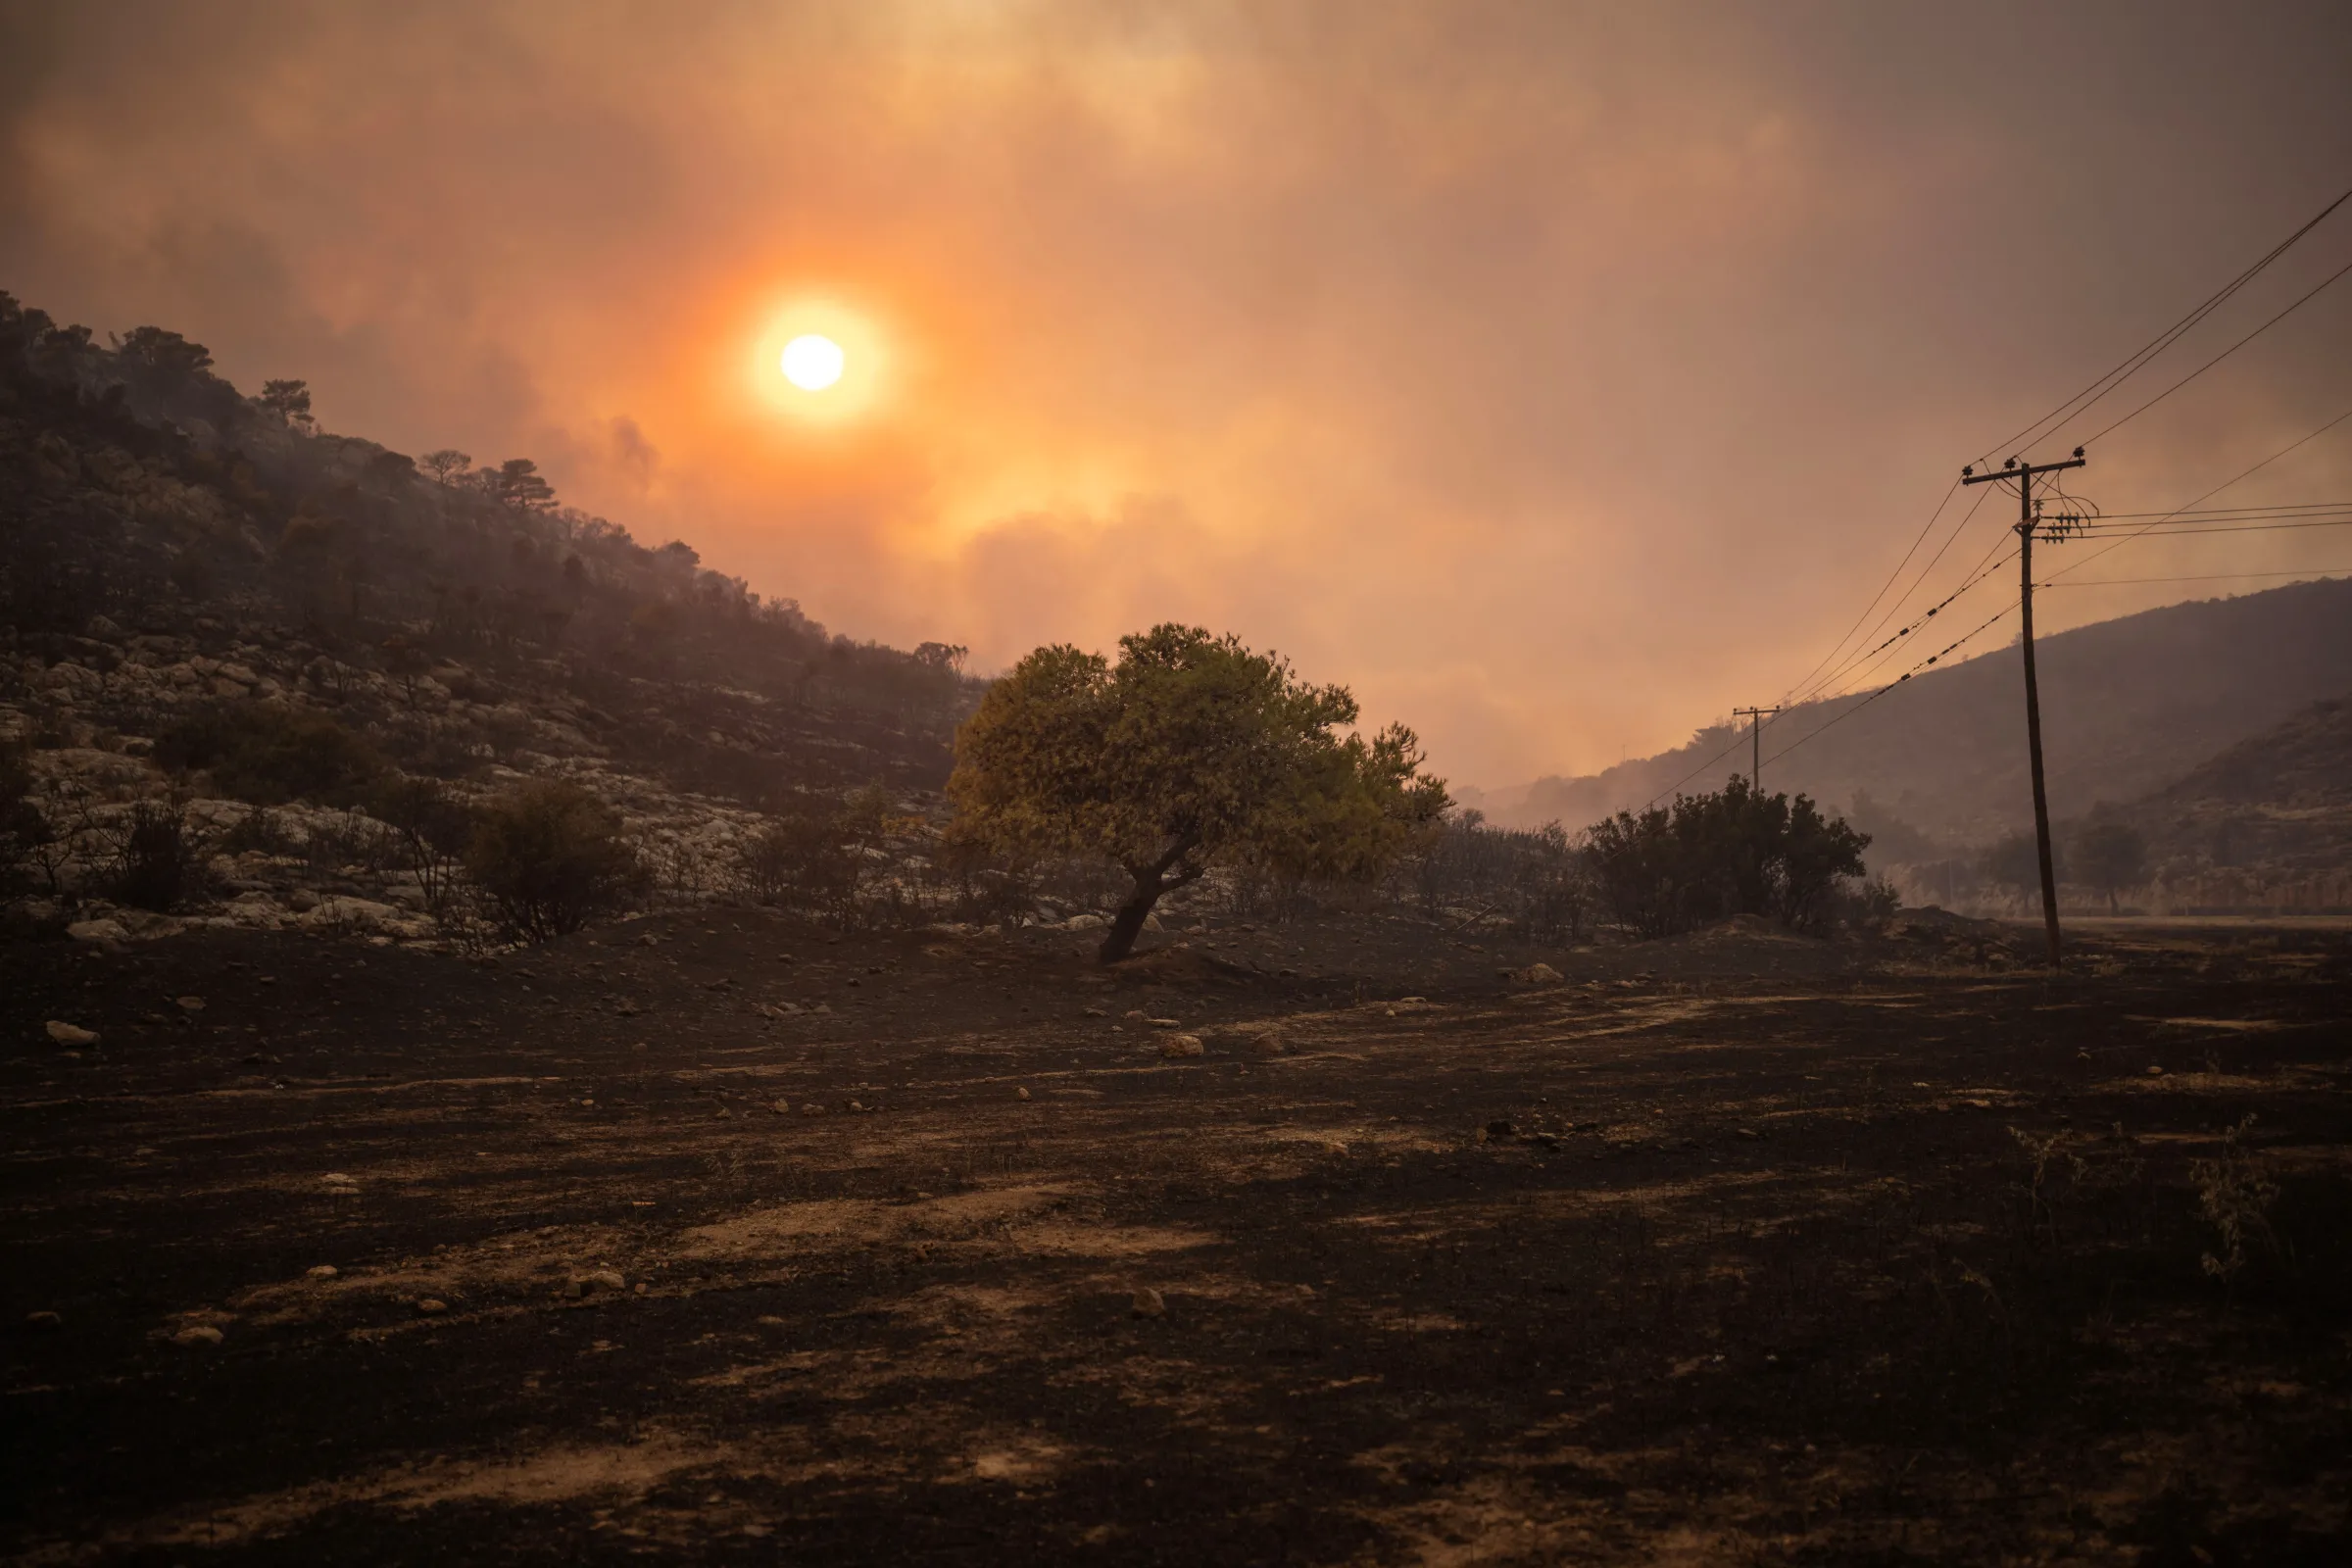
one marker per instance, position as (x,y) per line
(550,857)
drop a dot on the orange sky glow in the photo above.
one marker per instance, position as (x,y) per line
(1556,377)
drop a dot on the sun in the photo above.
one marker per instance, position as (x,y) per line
(812,362)
(818,360)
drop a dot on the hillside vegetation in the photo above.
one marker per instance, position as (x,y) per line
(224,630)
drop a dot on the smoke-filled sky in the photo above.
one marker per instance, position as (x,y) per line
(1556,375)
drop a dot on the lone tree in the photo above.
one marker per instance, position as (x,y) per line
(1192,751)
(517,483)
(447,465)
(290,401)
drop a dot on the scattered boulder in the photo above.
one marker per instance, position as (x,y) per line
(97,931)
(1182,1045)
(66,1034)
(321,1271)
(1020,1094)
(1536,975)
(190,1004)
(430,1306)
(1163,1023)
(1148,1303)
(45,1320)
(199,1336)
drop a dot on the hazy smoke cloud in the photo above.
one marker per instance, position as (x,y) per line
(1559,376)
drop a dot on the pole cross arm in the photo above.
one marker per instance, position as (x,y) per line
(2025,470)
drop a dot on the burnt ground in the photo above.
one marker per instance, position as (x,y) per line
(1789,1252)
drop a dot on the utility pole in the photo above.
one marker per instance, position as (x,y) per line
(2028,514)
(1755,730)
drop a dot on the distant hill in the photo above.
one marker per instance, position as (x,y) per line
(2281,801)
(2129,707)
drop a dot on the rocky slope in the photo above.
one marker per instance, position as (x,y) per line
(175,559)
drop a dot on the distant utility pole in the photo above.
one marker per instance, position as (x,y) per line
(2028,514)
(1756,718)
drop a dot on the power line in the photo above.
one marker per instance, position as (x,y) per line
(2286,506)
(2225,354)
(2091,394)
(1915,670)
(1871,656)
(1812,686)
(2158,531)
(1921,539)
(1814,679)
(2208,495)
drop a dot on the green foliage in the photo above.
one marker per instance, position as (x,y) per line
(1192,751)
(269,753)
(551,857)
(1735,851)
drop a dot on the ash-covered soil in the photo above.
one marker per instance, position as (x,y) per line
(715,1238)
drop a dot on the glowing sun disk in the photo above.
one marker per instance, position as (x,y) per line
(812,362)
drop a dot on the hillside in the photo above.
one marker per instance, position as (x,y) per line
(177,557)
(2129,707)
(2267,821)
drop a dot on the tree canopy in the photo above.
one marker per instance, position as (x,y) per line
(519,483)
(1192,751)
(1666,870)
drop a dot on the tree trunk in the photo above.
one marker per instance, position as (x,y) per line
(1128,925)
(1151,883)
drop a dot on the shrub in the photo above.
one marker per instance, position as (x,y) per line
(815,856)
(269,754)
(158,862)
(432,828)
(23,827)
(550,857)
(1710,856)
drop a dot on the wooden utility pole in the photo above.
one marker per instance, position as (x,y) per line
(1756,731)
(2028,514)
